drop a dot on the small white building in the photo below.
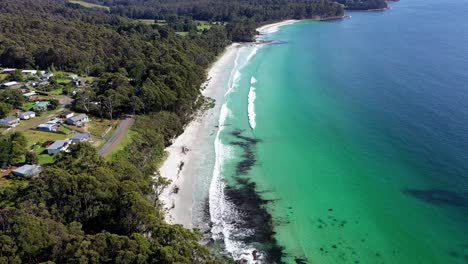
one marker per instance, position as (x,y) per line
(26,115)
(8,70)
(10,84)
(30,94)
(57,146)
(66,115)
(48,127)
(31,72)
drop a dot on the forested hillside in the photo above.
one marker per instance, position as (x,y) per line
(220,10)
(82,208)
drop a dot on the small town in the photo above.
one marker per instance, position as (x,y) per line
(39,105)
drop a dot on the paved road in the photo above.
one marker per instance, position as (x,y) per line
(117,137)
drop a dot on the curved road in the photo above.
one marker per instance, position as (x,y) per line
(117,137)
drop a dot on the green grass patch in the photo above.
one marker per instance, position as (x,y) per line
(58,91)
(183,34)
(42,156)
(89,5)
(28,106)
(36,136)
(89,79)
(202,25)
(125,142)
(3,76)
(97,126)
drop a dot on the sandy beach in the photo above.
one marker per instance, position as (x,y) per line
(183,164)
(191,153)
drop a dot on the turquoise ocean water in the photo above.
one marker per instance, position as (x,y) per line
(360,140)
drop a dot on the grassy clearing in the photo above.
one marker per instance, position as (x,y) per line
(42,156)
(152,22)
(28,106)
(183,34)
(125,142)
(89,5)
(89,79)
(3,76)
(97,126)
(35,136)
(202,25)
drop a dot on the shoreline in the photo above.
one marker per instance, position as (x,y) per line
(182,163)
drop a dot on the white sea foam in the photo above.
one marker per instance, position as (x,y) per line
(253,52)
(222,212)
(251,104)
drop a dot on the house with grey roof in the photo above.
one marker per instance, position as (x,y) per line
(57,146)
(28,170)
(80,137)
(48,127)
(27,115)
(9,122)
(77,120)
(9,84)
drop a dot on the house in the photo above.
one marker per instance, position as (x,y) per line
(8,70)
(77,120)
(77,82)
(30,95)
(28,170)
(27,115)
(80,137)
(41,106)
(10,84)
(57,146)
(47,76)
(66,115)
(31,72)
(9,122)
(43,84)
(49,127)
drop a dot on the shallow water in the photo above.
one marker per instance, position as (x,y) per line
(360,142)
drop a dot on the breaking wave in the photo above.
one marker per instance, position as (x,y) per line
(251,103)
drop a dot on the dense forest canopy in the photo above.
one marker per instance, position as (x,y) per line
(82,208)
(220,10)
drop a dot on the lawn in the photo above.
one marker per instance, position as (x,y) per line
(42,156)
(28,106)
(58,91)
(88,5)
(97,126)
(202,25)
(3,76)
(35,136)
(183,34)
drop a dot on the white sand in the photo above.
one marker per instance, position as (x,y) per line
(270,28)
(179,205)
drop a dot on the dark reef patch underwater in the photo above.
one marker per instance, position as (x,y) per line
(251,208)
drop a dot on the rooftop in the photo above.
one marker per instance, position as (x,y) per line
(8,119)
(10,83)
(42,104)
(28,170)
(58,144)
(81,136)
(78,117)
